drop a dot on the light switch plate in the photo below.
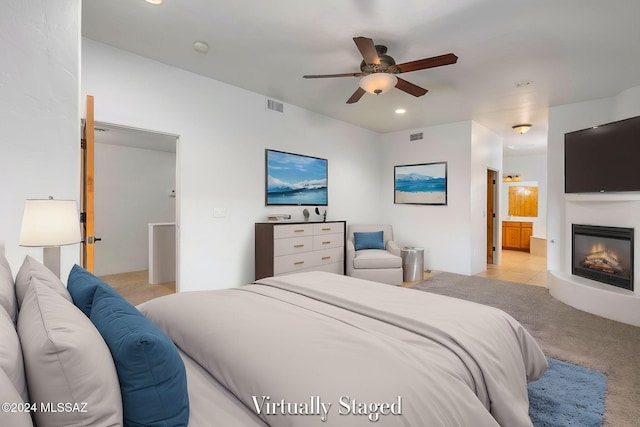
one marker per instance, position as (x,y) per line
(219,212)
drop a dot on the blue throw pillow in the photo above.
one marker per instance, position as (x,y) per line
(372,240)
(152,375)
(82,286)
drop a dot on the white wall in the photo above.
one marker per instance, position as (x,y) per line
(486,153)
(532,169)
(40,112)
(132,187)
(452,235)
(223,133)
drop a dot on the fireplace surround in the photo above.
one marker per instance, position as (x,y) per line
(604,254)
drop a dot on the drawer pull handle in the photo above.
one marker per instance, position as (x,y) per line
(326,257)
(326,229)
(327,243)
(298,231)
(298,246)
(298,263)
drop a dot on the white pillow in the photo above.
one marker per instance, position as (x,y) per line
(30,268)
(67,362)
(7,287)
(11,355)
(17,413)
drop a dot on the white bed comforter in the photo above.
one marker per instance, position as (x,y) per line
(314,349)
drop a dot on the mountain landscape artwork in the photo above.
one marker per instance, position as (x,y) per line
(295,179)
(423,184)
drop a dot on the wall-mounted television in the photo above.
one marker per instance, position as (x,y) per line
(295,179)
(603,158)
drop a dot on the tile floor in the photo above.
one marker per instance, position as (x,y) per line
(521,267)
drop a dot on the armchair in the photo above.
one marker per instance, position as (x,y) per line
(373,256)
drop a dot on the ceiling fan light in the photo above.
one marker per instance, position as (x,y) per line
(378,83)
(521,129)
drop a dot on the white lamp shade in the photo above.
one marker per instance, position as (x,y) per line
(49,223)
(378,83)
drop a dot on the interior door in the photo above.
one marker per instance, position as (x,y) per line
(87,197)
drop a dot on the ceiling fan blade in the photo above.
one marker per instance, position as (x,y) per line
(410,88)
(421,64)
(367,50)
(356,96)
(322,76)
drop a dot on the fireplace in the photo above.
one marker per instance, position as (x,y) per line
(604,254)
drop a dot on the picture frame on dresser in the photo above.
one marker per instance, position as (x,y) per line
(283,248)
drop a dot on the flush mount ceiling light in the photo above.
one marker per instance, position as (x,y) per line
(200,47)
(400,111)
(154,1)
(521,129)
(378,83)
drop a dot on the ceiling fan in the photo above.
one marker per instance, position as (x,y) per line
(378,70)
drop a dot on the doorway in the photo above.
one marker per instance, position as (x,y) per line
(492,228)
(135,185)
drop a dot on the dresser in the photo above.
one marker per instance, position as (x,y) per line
(292,247)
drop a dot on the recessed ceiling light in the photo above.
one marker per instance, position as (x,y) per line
(200,47)
(154,1)
(401,111)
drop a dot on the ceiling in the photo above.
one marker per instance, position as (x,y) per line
(517,58)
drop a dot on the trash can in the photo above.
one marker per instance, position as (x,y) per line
(412,264)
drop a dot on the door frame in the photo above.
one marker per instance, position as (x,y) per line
(492,216)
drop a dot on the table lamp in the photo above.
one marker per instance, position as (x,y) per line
(50,223)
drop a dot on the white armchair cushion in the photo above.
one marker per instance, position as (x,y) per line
(376,258)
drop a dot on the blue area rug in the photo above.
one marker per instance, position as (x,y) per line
(567,395)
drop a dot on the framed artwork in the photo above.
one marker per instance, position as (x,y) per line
(422,184)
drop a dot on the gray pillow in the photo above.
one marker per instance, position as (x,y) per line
(7,288)
(33,268)
(11,355)
(9,395)
(66,361)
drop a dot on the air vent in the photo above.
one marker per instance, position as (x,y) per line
(275,106)
(415,136)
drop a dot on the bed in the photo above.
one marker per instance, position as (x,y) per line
(304,349)
(365,350)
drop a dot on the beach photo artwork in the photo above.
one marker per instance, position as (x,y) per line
(295,179)
(423,184)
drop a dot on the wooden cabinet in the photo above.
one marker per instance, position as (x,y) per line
(516,235)
(283,248)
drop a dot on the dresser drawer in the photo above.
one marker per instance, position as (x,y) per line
(292,230)
(328,228)
(292,245)
(327,241)
(306,260)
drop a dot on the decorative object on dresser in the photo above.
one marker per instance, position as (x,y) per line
(516,235)
(299,246)
(372,254)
